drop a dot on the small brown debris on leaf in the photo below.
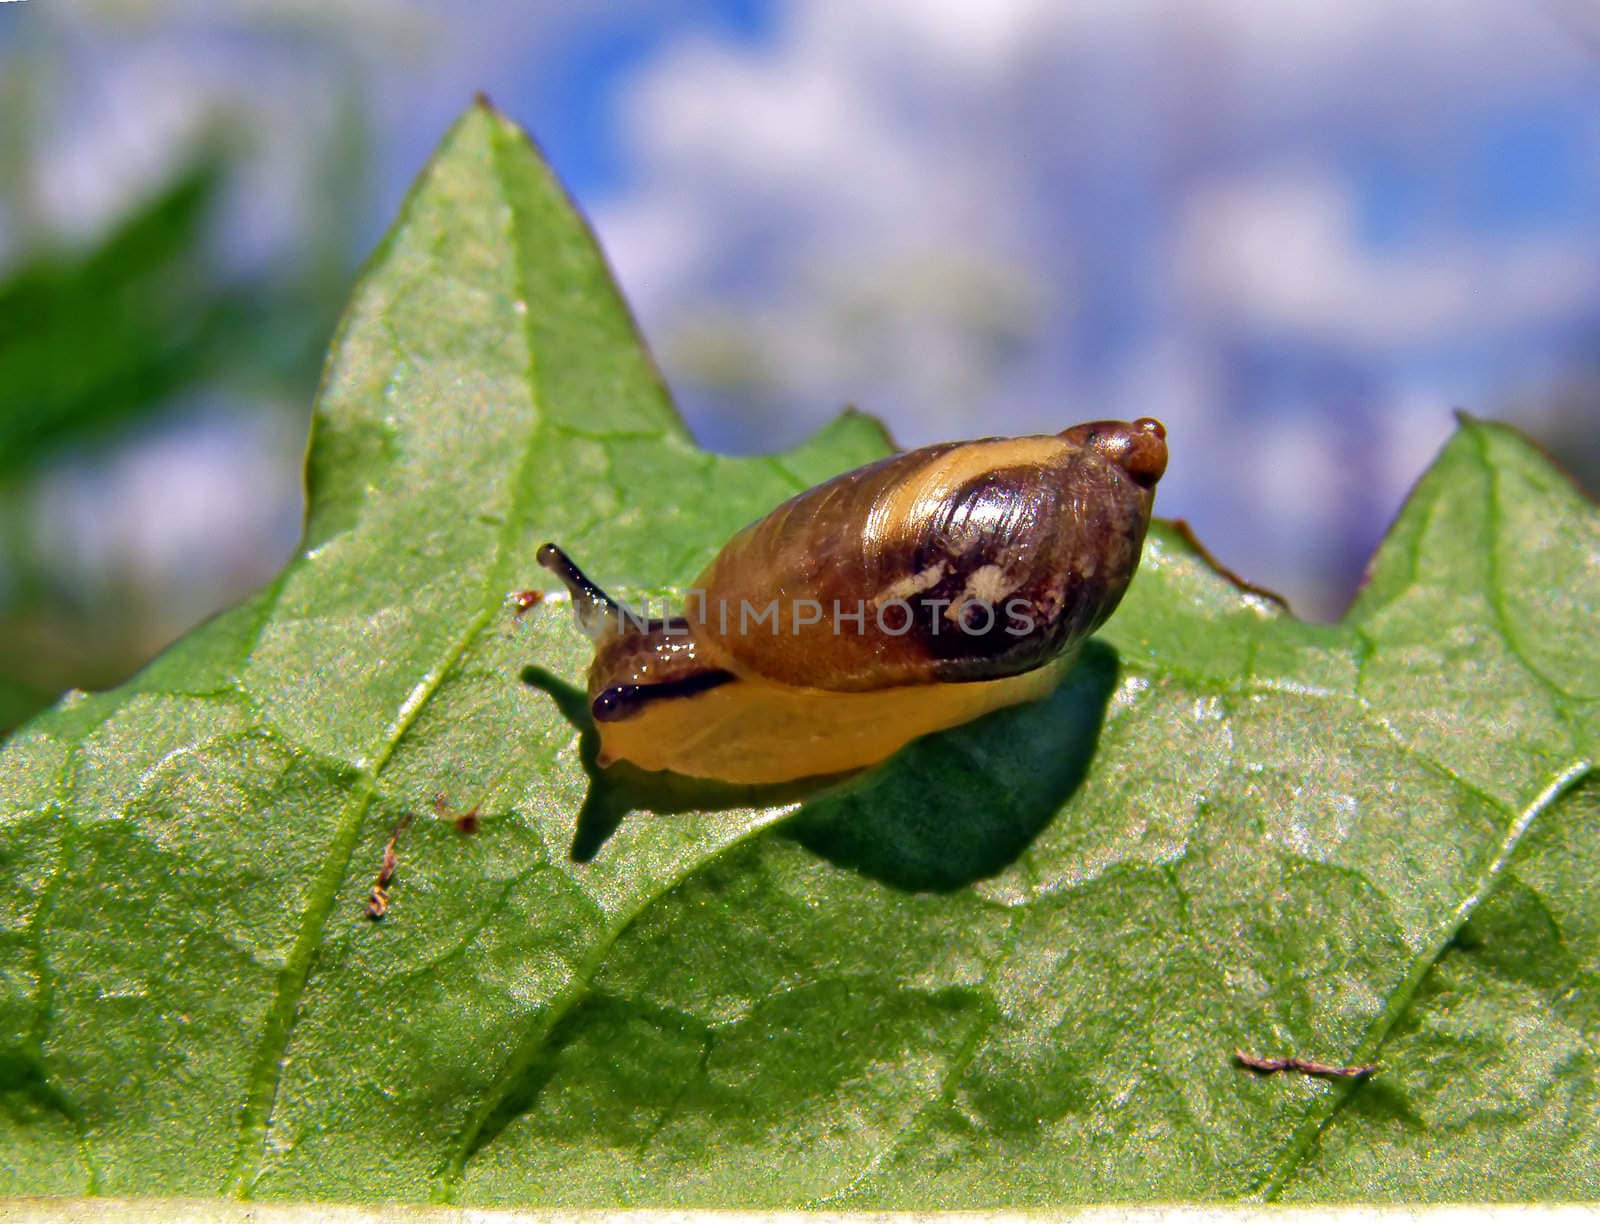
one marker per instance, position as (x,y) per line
(378,898)
(465,822)
(523,600)
(1306,1066)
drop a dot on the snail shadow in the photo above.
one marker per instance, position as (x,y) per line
(619,789)
(944,811)
(963,804)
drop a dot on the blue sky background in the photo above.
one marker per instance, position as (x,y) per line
(1300,234)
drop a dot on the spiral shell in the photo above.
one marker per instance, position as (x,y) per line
(897,599)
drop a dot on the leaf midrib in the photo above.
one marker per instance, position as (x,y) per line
(261,1093)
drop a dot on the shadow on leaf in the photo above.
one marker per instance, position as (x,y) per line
(26,1090)
(961,805)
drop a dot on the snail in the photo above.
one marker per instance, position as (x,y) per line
(898,599)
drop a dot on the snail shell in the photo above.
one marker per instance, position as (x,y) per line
(901,598)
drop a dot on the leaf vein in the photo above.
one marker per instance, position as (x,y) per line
(256,1113)
(1294,1153)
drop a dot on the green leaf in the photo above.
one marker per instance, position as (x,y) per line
(93,341)
(1009,968)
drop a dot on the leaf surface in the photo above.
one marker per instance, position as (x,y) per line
(1009,968)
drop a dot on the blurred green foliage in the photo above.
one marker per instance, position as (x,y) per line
(100,342)
(90,341)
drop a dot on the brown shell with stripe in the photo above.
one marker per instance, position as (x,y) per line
(956,562)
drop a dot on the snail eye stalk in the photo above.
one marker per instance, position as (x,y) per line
(592,605)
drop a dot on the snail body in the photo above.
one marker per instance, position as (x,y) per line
(898,599)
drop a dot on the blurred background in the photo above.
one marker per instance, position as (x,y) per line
(1300,234)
